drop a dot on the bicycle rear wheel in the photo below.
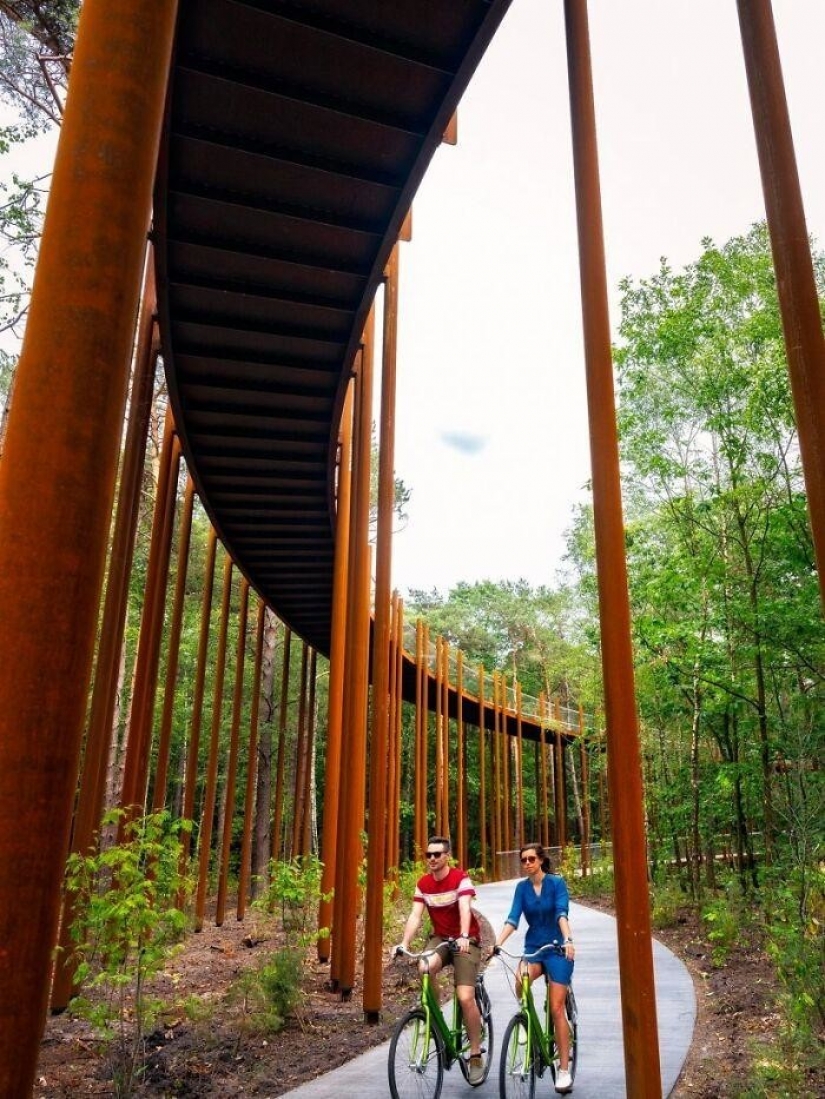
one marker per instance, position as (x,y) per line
(485,1010)
(416,1061)
(517,1068)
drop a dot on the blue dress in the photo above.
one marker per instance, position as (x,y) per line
(542,913)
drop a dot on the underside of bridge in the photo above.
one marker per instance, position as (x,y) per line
(295,139)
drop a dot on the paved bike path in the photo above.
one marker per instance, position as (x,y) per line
(600,1073)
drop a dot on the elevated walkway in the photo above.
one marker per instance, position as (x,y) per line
(600,1072)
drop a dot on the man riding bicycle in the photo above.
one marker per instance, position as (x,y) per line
(446,893)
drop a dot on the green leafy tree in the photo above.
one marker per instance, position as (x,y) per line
(126,923)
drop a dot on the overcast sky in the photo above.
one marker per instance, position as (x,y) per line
(492,423)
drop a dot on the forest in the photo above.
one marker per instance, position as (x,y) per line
(729,648)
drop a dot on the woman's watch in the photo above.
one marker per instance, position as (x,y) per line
(567,940)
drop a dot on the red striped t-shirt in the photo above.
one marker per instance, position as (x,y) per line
(441,900)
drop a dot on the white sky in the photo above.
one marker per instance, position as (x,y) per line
(492,422)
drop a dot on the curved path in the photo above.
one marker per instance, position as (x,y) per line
(601,1068)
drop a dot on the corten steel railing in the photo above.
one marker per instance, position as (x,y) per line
(61,449)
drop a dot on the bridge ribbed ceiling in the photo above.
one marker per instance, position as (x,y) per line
(296,136)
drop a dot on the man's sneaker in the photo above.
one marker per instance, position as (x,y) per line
(564,1081)
(475,1074)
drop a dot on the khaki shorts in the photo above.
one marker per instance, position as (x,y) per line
(465,966)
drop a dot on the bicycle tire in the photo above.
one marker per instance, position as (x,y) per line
(416,1059)
(486,1012)
(517,1068)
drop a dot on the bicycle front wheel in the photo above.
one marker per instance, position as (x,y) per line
(517,1069)
(416,1064)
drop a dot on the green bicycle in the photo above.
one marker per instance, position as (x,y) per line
(424,1043)
(529,1046)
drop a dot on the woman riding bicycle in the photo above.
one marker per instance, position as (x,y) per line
(543,900)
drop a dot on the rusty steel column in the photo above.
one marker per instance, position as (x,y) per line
(795,283)
(585,782)
(382,629)
(354,755)
(173,649)
(251,767)
(341,869)
(232,761)
(420,808)
(641,1044)
(197,701)
(461,774)
(139,742)
(393,763)
(445,721)
(558,780)
(337,664)
(306,843)
(506,770)
(398,726)
(301,762)
(519,765)
(496,775)
(91,794)
(482,775)
(280,764)
(425,736)
(440,765)
(205,834)
(544,836)
(61,450)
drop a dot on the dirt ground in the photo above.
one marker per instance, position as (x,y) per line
(207,1046)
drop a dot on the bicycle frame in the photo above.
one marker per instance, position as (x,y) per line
(450,1035)
(541,1034)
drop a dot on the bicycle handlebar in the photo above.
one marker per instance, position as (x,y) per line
(400,950)
(522,956)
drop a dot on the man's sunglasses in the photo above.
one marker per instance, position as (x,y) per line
(435,854)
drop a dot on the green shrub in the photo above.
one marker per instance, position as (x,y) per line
(126,925)
(267,996)
(294,895)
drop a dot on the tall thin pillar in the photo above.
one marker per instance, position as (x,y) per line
(251,766)
(139,743)
(482,776)
(92,790)
(197,699)
(205,835)
(280,762)
(337,663)
(354,758)
(60,450)
(173,649)
(232,761)
(795,283)
(380,738)
(625,775)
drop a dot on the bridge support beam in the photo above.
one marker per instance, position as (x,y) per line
(337,662)
(57,479)
(245,876)
(796,287)
(641,1044)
